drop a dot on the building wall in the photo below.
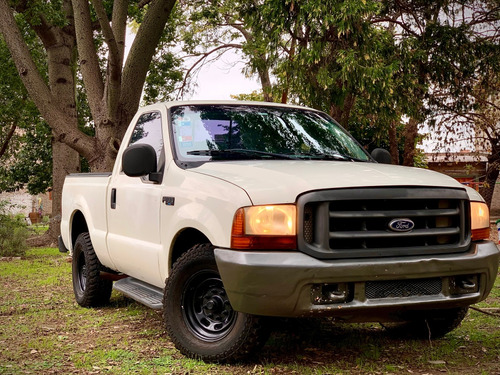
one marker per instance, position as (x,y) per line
(22,202)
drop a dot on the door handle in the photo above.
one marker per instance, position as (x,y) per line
(169,201)
(113,198)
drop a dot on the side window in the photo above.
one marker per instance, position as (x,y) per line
(148,131)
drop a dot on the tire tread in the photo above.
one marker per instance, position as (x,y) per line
(253,334)
(97,291)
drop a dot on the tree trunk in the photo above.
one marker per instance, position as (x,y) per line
(393,143)
(342,113)
(65,161)
(265,81)
(492,173)
(410,134)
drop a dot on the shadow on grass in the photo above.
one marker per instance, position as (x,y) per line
(324,342)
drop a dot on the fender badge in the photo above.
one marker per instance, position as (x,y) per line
(401,225)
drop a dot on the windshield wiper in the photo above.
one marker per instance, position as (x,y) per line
(232,152)
(340,157)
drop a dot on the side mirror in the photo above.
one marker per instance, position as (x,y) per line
(382,156)
(139,160)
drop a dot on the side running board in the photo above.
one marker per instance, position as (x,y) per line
(140,291)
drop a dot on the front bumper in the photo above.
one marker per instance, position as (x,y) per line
(285,284)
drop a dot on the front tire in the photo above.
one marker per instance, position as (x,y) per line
(89,288)
(199,318)
(433,324)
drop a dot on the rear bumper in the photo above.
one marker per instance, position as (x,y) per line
(286,284)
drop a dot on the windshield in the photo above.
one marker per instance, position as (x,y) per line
(229,132)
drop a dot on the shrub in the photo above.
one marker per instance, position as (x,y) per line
(13,233)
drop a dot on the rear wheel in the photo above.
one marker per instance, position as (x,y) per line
(89,288)
(198,315)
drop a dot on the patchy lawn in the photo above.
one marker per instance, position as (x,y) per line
(44,331)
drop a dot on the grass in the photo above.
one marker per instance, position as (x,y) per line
(43,330)
(38,229)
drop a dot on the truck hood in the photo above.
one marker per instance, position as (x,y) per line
(278,181)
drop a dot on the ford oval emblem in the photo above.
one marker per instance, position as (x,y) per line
(401,225)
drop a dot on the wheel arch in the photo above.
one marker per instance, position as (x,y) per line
(184,240)
(78,226)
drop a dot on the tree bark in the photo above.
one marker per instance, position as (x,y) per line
(140,55)
(410,134)
(265,81)
(492,173)
(393,143)
(65,160)
(10,134)
(46,102)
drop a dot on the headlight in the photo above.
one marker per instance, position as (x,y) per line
(265,227)
(480,221)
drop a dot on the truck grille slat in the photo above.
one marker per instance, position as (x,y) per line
(382,234)
(401,213)
(356,223)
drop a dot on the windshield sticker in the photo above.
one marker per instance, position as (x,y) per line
(184,121)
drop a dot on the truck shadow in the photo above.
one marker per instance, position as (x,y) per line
(319,342)
(324,341)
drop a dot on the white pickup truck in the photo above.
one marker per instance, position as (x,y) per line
(224,213)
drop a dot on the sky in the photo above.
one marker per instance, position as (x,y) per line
(222,78)
(217,80)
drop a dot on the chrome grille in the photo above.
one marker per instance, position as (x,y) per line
(356,222)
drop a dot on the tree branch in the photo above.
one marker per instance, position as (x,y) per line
(120,11)
(394,21)
(142,52)
(89,63)
(203,57)
(143,3)
(7,139)
(109,37)
(115,66)
(45,32)
(38,90)
(116,45)
(248,37)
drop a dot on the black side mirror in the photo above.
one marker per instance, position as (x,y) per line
(382,156)
(139,160)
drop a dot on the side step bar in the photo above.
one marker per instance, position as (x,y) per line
(140,291)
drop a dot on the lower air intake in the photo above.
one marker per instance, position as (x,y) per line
(403,288)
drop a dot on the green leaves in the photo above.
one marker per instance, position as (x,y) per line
(27,160)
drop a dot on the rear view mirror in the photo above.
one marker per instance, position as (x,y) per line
(139,160)
(382,156)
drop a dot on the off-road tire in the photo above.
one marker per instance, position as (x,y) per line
(433,324)
(198,316)
(89,288)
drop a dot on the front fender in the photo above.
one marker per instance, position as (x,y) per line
(203,203)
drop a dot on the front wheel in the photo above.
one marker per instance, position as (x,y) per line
(89,288)
(198,315)
(433,324)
